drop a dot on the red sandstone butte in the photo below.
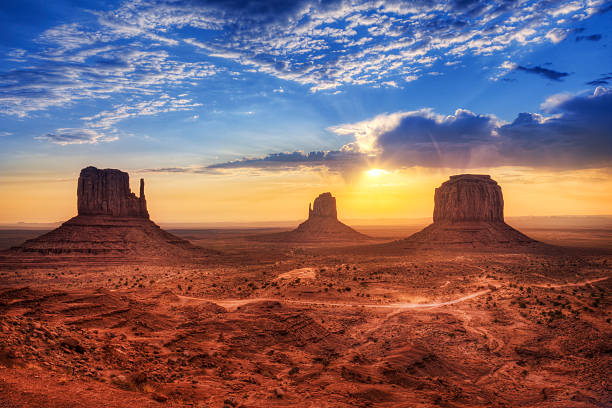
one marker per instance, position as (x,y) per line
(111,220)
(107,192)
(469,211)
(322,225)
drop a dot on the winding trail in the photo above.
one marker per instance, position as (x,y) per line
(232,303)
(564,285)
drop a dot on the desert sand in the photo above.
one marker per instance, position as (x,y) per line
(215,318)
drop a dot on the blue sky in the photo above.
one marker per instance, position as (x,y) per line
(213,86)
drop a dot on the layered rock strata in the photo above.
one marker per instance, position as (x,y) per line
(107,192)
(111,220)
(468,211)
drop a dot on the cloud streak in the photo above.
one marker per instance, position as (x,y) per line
(544,72)
(76,136)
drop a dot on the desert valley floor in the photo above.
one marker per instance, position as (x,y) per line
(247,323)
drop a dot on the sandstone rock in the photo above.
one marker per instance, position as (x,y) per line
(468,212)
(107,192)
(72,344)
(322,225)
(469,197)
(112,222)
(324,206)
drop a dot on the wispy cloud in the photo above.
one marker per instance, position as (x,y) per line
(163,104)
(70,136)
(325,45)
(604,79)
(113,72)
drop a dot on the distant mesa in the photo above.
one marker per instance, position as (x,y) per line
(468,211)
(111,220)
(322,225)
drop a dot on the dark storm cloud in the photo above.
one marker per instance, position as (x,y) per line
(544,72)
(593,37)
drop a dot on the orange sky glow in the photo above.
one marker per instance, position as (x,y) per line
(245,195)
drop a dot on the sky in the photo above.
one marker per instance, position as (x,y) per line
(239,111)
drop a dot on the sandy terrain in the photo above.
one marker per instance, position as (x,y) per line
(268,324)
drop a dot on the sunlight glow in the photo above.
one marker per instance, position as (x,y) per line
(376,172)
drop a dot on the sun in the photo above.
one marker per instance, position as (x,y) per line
(376,172)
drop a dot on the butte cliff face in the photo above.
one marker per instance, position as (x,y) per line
(469,197)
(111,221)
(324,206)
(469,211)
(107,192)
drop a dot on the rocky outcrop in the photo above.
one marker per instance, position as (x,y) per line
(469,197)
(111,222)
(322,225)
(468,212)
(324,206)
(107,192)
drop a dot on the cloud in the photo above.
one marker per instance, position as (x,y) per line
(168,170)
(426,139)
(593,37)
(69,136)
(4,134)
(341,160)
(575,134)
(602,80)
(544,72)
(556,35)
(117,71)
(163,104)
(138,47)
(130,57)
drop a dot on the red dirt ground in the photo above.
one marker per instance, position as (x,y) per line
(263,324)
